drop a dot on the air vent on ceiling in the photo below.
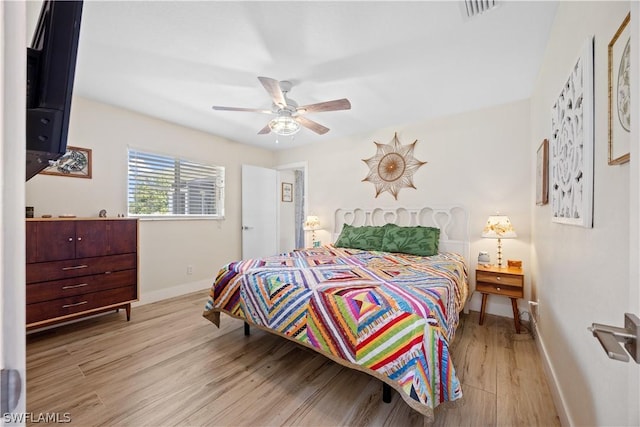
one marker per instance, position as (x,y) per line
(475,7)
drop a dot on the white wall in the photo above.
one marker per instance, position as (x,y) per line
(581,275)
(166,246)
(478,159)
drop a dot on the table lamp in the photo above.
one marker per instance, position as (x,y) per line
(312,224)
(499,227)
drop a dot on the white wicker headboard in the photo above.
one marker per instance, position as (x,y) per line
(453,222)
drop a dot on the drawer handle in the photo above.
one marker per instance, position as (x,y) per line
(498,288)
(75,267)
(74,305)
(497,277)
(75,286)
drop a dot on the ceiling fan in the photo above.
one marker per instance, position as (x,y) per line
(289,116)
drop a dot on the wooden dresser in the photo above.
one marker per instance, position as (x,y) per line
(78,267)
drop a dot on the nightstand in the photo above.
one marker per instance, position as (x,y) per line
(507,282)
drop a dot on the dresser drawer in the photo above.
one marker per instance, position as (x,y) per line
(45,291)
(50,310)
(46,271)
(500,289)
(499,279)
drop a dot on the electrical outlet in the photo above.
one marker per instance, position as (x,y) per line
(189,270)
(533,309)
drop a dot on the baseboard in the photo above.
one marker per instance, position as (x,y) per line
(552,381)
(147,297)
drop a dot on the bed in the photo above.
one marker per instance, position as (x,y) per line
(388,310)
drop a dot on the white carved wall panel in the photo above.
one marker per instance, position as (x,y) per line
(571,150)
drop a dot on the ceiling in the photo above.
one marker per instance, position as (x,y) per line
(397,62)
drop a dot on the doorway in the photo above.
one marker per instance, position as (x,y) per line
(274,205)
(292,206)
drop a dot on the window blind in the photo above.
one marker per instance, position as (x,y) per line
(160,185)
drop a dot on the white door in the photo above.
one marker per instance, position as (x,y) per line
(12,235)
(259,212)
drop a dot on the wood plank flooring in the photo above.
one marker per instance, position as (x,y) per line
(169,366)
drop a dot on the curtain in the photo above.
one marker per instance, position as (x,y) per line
(298,198)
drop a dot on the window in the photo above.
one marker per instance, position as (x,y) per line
(165,186)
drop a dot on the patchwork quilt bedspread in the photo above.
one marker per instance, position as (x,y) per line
(391,315)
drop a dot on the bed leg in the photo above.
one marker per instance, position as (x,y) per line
(247,330)
(386,393)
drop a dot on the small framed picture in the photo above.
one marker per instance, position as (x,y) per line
(620,94)
(542,174)
(287,192)
(76,162)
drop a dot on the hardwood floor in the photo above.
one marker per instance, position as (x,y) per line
(170,366)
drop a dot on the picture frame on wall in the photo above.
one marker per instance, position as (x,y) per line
(76,163)
(542,174)
(287,192)
(619,50)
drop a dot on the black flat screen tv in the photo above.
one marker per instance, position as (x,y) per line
(51,67)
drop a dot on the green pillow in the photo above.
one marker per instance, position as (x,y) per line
(418,240)
(368,238)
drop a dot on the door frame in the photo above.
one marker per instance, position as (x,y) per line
(633,394)
(13,30)
(304,166)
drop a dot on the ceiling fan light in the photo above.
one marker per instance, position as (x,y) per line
(284,125)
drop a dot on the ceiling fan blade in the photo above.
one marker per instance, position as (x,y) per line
(265,130)
(273,88)
(310,124)
(251,110)
(338,104)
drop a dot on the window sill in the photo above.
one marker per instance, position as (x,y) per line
(178,218)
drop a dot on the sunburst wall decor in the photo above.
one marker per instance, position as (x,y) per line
(393,166)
